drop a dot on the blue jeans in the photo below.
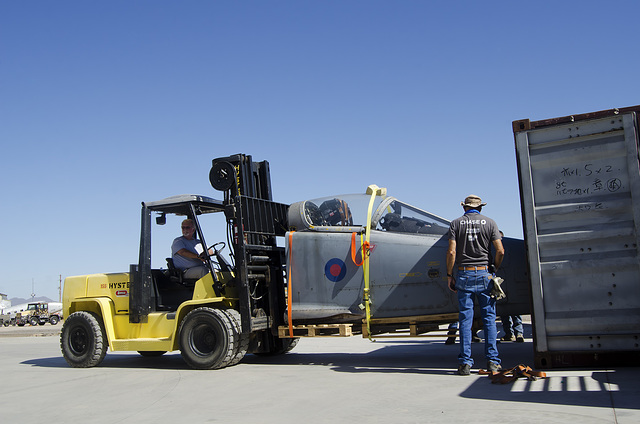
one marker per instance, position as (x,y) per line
(512,325)
(476,284)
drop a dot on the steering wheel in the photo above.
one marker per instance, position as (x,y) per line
(220,261)
(215,249)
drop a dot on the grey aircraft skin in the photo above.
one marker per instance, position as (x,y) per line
(407,265)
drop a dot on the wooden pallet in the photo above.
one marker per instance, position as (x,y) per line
(411,326)
(317,330)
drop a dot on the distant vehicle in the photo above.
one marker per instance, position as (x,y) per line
(40,313)
(33,313)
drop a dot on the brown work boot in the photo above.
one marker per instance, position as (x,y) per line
(493,367)
(464,369)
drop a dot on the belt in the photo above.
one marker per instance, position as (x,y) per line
(472,268)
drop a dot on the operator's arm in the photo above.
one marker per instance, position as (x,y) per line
(499,253)
(451,260)
(187,254)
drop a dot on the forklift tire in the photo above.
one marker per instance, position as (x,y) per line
(243,339)
(54,319)
(82,340)
(207,339)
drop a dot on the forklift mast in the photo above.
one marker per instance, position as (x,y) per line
(254,221)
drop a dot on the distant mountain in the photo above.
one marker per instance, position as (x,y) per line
(18,300)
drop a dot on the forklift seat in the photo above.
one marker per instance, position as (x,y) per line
(174,274)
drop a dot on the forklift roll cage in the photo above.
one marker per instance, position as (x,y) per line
(254,222)
(191,206)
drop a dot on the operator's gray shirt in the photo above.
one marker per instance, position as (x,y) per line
(183,243)
(473,234)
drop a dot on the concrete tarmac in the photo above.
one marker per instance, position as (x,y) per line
(323,380)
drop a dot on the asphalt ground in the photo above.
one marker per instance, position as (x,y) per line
(323,380)
(29,331)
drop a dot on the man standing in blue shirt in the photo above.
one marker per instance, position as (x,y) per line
(470,239)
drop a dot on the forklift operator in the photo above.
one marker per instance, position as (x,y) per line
(184,253)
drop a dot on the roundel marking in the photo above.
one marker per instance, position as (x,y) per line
(335,269)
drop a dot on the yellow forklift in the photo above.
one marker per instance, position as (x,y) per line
(214,321)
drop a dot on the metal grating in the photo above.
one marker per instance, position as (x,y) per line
(264,217)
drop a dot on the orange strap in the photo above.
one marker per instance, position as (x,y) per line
(510,375)
(289,294)
(365,250)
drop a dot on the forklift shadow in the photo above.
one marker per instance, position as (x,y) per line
(402,355)
(398,356)
(54,362)
(120,360)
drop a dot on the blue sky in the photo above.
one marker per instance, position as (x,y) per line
(107,104)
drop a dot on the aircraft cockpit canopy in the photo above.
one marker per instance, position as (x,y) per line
(344,212)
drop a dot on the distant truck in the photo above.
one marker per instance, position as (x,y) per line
(37,313)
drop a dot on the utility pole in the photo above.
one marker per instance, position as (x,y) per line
(33,290)
(60,290)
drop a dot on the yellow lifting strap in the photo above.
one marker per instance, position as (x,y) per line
(374,191)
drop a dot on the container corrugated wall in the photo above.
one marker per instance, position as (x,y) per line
(580,195)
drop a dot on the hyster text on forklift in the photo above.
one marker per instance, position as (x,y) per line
(364,263)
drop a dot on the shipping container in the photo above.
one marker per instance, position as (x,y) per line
(579,183)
